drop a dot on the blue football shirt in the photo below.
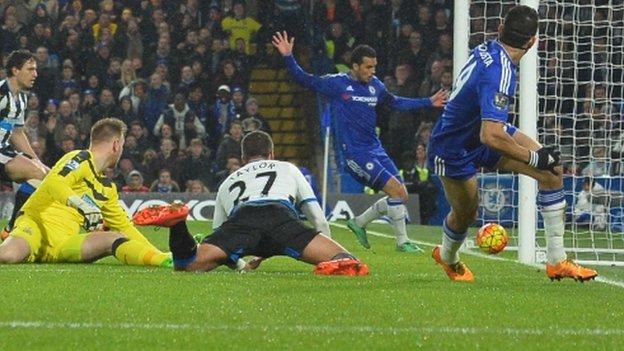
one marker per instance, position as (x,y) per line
(483,90)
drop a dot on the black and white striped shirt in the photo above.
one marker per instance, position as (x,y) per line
(12,110)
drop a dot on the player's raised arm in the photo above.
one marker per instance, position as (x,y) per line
(324,85)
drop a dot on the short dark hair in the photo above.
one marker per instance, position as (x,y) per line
(256,143)
(107,128)
(519,27)
(360,52)
(17,59)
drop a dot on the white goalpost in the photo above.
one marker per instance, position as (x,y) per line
(570,95)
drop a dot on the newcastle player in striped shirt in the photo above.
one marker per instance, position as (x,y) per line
(18,162)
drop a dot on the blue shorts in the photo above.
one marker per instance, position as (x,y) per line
(465,167)
(372,168)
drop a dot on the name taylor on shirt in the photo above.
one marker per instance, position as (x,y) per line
(256,166)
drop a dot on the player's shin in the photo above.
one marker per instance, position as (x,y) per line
(397,213)
(451,243)
(136,253)
(552,206)
(24,191)
(377,210)
(182,245)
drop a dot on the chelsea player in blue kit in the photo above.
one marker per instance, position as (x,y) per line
(473,132)
(353,97)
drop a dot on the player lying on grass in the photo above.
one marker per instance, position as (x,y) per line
(354,97)
(255,215)
(473,132)
(75,194)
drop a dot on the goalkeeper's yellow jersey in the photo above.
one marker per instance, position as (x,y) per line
(75,174)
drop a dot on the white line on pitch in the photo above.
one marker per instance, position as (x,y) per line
(618,283)
(315,328)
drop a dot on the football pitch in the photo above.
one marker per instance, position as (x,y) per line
(405,303)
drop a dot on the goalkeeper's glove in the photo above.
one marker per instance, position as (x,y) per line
(546,159)
(92,215)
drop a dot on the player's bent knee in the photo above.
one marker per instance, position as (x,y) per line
(548,180)
(11,257)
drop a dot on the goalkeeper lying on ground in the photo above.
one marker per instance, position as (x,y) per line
(75,194)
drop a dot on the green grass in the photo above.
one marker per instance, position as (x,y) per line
(406,303)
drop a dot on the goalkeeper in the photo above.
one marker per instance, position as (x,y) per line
(75,195)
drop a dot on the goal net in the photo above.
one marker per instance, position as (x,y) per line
(580,105)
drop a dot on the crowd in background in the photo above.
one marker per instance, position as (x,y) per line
(177,72)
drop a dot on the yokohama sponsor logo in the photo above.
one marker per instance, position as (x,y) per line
(367,99)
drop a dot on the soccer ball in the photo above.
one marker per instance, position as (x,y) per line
(492,238)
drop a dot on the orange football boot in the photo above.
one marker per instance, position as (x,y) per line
(569,269)
(4,234)
(457,272)
(343,266)
(162,215)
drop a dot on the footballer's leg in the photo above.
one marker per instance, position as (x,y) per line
(462,195)
(188,256)
(87,248)
(552,206)
(381,173)
(23,170)
(330,258)
(23,243)
(14,250)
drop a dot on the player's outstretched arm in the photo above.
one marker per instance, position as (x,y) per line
(324,85)
(404,104)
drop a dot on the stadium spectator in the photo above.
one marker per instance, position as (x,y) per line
(401,124)
(418,180)
(166,158)
(132,151)
(137,91)
(66,84)
(126,111)
(197,164)
(230,145)
(196,187)
(414,55)
(586,212)
(182,120)
(136,129)
(155,101)
(223,111)
(228,76)
(338,42)
(252,111)
(106,108)
(134,183)
(47,73)
(433,78)
(166,132)
(33,127)
(187,79)
(239,25)
(165,183)
(238,98)
(599,165)
(233,164)
(198,105)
